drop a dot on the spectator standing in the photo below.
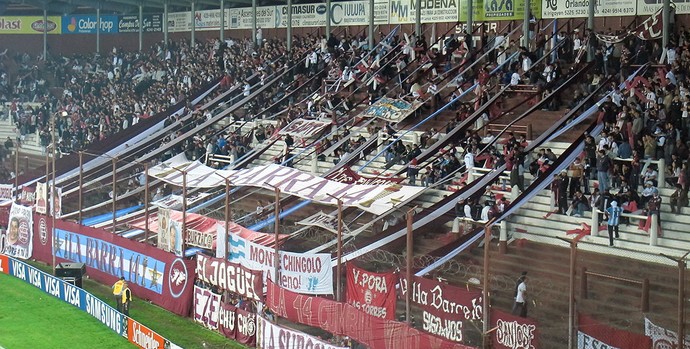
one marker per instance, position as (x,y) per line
(126,298)
(118,287)
(613,213)
(520,306)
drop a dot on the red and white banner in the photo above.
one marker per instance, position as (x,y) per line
(650,29)
(662,338)
(444,307)
(237,324)
(376,199)
(272,336)
(6,191)
(301,272)
(41,197)
(595,335)
(346,175)
(230,277)
(304,128)
(513,332)
(206,307)
(345,320)
(372,293)
(17,240)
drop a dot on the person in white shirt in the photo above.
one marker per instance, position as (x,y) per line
(515,79)
(526,62)
(671,54)
(520,306)
(486,210)
(469,160)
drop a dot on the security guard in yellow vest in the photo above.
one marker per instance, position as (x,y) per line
(126,298)
(117,292)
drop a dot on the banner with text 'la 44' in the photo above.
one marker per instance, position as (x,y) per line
(513,332)
(345,320)
(373,293)
(445,308)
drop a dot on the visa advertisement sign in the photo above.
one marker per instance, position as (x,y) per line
(88,24)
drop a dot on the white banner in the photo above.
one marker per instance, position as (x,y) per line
(272,336)
(241,18)
(661,337)
(164,229)
(55,202)
(41,198)
(303,15)
(357,13)
(206,307)
(585,341)
(6,191)
(580,8)
(16,241)
(376,199)
(299,272)
(303,128)
(433,11)
(322,220)
(200,239)
(179,22)
(208,20)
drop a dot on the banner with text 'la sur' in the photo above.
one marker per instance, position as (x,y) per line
(593,334)
(273,336)
(345,320)
(231,277)
(300,272)
(513,332)
(445,308)
(372,293)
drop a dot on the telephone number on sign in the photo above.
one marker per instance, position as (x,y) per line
(618,11)
(575,12)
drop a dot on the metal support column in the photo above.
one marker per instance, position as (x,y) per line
(165,23)
(371,24)
(98,28)
(525,25)
(289,26)
(328,19)
(141,27)
(666,21)
(193,34)
(254,27)
(222,21)
(417,19)
(470,19)
(45,33)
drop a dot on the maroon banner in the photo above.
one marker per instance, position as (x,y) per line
(345,320)
(651,28)
(232,322)
(593,334)
(372,293)
(151,273)
(231,277)
(444,307)
(346,175)
(206,307)
(513,332)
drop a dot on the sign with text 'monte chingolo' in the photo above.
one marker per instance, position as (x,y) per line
(345,320)
(372,293)
(376,199)
(300,272)
(445,307)
(151,273)
(230,277)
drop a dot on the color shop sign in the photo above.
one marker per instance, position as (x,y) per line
(88,24)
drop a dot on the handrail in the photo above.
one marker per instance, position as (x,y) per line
(644,297)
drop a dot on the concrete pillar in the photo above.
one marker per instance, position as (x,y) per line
(594,230)
(666,20)
(371,24)
(45,33)
(329,13)
(417,19)
(590,15)
(98,28)
(254,26)
(661,170)
(470,19)
(193,34)
(314,162)
(165,23)
(503,238)
(221,35)
(289,25)
(141,27)
(654,230)
(525,25)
